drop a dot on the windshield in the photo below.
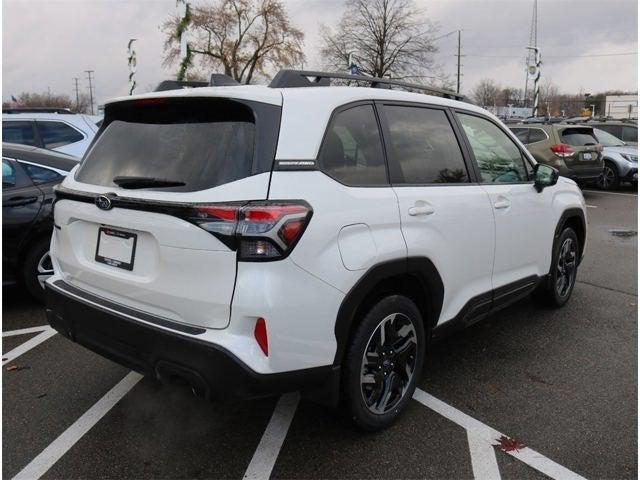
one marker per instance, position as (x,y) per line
(607,139)
(189,145)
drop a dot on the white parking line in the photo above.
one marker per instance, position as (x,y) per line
(61,445)
(25,331)
(591,206)
(479,432)
(11,355)
(483,457)
(266,454)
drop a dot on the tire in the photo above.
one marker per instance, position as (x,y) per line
(391,373)
(609,180)
(36,267)
(564,268)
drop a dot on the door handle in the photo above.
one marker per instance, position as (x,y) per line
(502,204)
(19,201)
(421,210)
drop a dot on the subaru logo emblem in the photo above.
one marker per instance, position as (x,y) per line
(103,202)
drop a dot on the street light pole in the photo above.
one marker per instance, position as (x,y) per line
(534,71)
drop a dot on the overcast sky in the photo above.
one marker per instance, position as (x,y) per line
(48,42)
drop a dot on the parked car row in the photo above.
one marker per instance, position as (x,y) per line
(582,152)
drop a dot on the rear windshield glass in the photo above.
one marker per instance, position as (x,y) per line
(579,137)
(200,143)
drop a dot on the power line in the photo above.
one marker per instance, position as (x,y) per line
(556,56)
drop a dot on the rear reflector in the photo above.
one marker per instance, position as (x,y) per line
(260,332)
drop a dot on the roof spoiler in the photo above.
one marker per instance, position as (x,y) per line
(216,80)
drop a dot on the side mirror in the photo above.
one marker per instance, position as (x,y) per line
(544,176)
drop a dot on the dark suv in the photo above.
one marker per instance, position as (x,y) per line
(572,149)
(28,177)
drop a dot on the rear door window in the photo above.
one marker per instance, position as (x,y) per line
(614,130)
(352,149)
(629,134)
(21,132)
(57,134)
(40,175)
(522,134)
(537,135)
(198,143)
(578,137)
(423,147)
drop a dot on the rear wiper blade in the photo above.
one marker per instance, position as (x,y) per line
(145,182)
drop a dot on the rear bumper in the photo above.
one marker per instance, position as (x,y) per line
(210,369)
(585,174)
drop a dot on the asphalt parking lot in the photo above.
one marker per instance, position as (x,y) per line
(526,394)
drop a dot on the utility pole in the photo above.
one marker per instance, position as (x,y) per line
(458,55)
(75,80)
(89,72)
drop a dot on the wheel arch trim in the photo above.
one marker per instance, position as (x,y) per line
(567,215)
(421,268)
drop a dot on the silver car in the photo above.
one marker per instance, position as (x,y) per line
(620,161)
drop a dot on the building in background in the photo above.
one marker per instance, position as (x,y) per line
(621,106)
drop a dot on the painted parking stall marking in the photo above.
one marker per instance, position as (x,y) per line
(61,445)
(479,434)
(46,332)
(273,437)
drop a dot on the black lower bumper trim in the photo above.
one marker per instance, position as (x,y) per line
(211,370)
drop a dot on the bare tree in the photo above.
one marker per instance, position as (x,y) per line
(31,99)
(509,95)
(385,38)
(243,38)
(486,93)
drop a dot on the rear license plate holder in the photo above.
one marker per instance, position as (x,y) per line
(116,248)
(587,156)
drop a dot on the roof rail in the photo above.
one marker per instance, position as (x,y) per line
(306,78)
(65,111)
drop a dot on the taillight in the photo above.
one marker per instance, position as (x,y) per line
(562,150)
(257,230)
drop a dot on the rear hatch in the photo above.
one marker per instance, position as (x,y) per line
(146,221)
(583,142)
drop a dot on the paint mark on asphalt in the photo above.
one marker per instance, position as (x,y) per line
(269,447)
(11,355)
(483,457)
(61,445)
(25,331)
(479,432)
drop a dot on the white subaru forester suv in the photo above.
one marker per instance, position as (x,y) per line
(250,240)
